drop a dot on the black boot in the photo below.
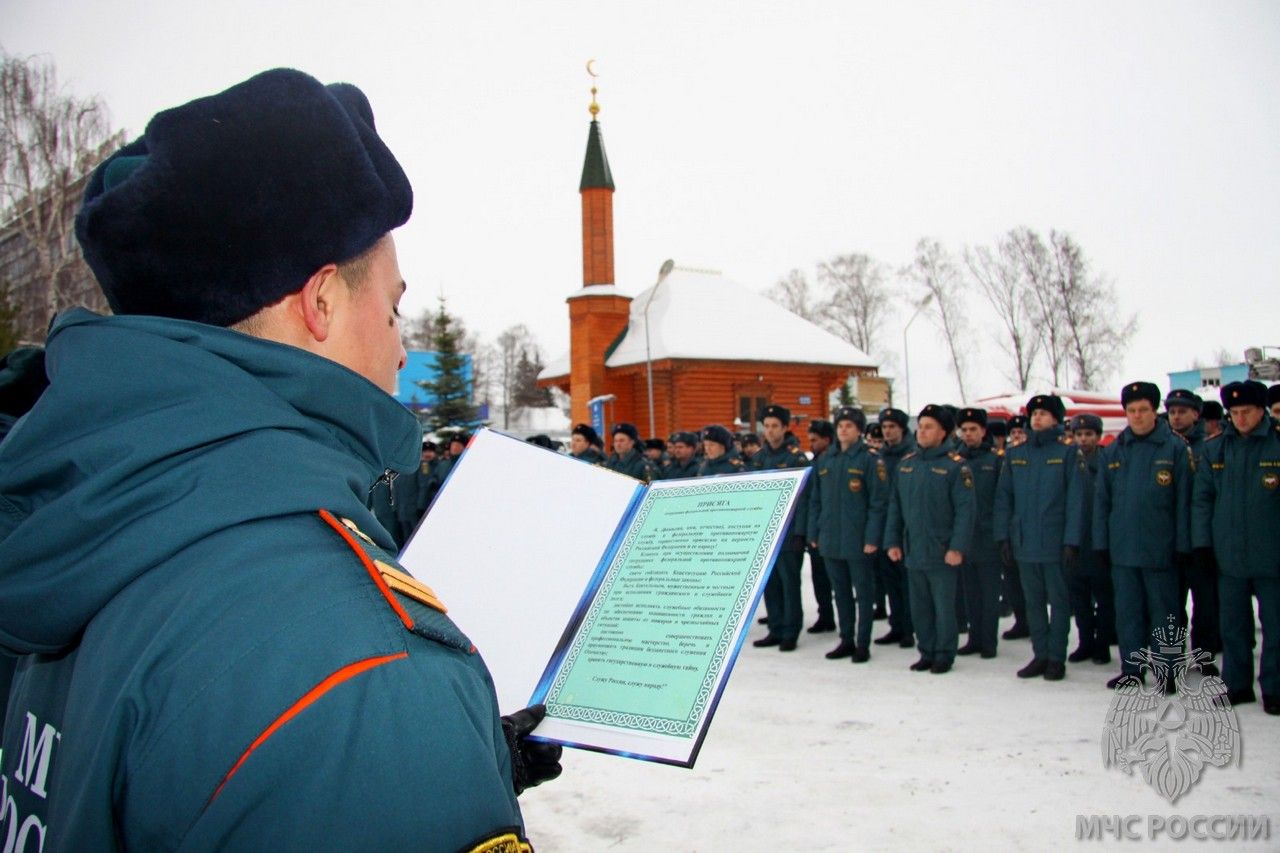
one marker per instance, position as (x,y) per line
(766,641)
(1055,670)
(969,648)
(880,612)
(940,667)
(1035,669)
(787,646)
(922,665)
(844,650)
(1102,655)
(861,654)
(1081,654)
(822,626)
(907,641)
(887,639)
(1123,680)
(1017,632)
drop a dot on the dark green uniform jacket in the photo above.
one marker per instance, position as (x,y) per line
(730,462)
(676,471)
(847,500)
(892,455)
(787,455)
(984,462)
(1040,497)
(634,464)
(932,508)
(1092,465)
(1142,500)
(1194,438)
(1236,502)
(591,456)
(210,658)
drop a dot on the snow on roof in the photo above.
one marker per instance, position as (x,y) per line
(705,316)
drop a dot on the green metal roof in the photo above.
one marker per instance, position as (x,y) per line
(595,169)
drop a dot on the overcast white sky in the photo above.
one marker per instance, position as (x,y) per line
(757,137)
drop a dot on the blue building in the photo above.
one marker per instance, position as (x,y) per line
(1208,377)
(421,367)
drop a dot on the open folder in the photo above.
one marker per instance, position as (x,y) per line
(621,606)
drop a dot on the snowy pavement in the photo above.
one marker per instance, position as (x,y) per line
(810,754)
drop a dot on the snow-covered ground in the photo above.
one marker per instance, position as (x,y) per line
(810,754)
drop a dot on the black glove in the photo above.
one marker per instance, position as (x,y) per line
(1070,556)
(1204,560)
(1104,560)
(532,762)
(1006,554)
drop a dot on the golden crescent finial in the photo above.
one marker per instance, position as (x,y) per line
(594,109)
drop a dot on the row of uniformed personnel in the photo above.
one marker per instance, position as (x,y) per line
(1116,535)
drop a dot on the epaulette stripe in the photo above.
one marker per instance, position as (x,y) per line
(346,673)
(369,567)
(410,586)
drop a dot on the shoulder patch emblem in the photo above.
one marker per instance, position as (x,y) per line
(1270,481)
(966,476)
(1164,477)
(881,471)
(855,485)
(955,457)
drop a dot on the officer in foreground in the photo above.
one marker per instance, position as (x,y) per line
(848,496)
(232,658)
(1141,518)
(1236,513)
(781,449)
(1039,514)
(929,528)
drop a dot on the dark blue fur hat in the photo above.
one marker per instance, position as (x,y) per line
(229,203)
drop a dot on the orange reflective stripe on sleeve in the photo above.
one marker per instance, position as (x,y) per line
(369,567)
(346,673)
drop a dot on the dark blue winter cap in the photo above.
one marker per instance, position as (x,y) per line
(229,203)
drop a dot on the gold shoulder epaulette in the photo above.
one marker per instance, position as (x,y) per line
(1065,439)
(999,451)
(408,585)
(908,454)
(955,457)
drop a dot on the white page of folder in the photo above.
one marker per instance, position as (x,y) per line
(509,546)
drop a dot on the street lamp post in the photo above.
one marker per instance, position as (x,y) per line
(906,361)
(665,271)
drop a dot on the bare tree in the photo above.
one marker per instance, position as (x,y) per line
(1003,280)
(49,143)
(420,332)
(856,298)
(1096,337)
(1045,307)
(934,270)
(794,293)
(512,345)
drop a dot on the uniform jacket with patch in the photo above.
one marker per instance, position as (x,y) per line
(633,464)
(984,462)
(210,657)
(848,497)
(932,508)
(1236,500)
(1040,497)
(729,462)
(1142,498)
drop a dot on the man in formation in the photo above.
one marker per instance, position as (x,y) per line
(781,449)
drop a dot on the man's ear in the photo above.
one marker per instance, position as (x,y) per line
(318,301)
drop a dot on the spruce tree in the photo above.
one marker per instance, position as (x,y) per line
(449,391)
